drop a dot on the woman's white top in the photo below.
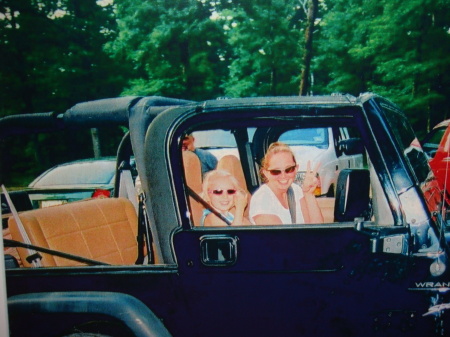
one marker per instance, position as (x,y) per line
(264,201)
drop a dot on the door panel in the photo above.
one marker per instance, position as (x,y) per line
(311,281)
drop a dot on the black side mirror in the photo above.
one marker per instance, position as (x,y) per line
(352,195)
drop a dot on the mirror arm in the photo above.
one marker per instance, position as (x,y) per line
(390,241)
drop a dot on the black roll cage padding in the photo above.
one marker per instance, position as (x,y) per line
(199,199)
(126,308)
(14,243)
(29,123)
(124,153)
(247,162)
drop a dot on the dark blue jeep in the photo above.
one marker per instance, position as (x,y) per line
(142,263)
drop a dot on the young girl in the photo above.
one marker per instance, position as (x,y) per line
(222,191)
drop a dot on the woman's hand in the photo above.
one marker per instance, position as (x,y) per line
(311,180)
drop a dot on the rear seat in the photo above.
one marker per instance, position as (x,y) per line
(100,229)
(193,175)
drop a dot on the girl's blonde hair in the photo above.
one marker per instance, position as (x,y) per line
(215,174)
(274,148)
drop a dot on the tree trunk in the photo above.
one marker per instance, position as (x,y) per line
(96,143)
(304,80)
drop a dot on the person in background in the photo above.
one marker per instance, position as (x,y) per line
(207,159)
(222,191)
(269,205)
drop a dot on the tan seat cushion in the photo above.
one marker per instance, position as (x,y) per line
(327,207)
(98,229)
(193,175)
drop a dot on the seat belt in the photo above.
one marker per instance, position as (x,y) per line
(144,235)
(14,243)
(292,205)
(33,257)
(140,233)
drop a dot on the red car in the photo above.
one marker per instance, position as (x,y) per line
(437,145)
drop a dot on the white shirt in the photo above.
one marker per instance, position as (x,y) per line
(264,201)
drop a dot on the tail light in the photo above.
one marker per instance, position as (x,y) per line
(99,193)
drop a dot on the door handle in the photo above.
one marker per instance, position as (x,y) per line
(218,250)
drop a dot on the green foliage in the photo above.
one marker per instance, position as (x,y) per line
(399,49)
(52,55)
(264,38)
(174,47)
(55,53)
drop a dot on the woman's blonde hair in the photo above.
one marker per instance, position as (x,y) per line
(215,174)
(274,148)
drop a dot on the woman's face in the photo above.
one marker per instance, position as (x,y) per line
(221,193)
(281,171)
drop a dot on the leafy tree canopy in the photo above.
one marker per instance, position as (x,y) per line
(55,53)
(175,48)
(399,49)
(52,54)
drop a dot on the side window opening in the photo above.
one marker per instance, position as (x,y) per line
(345,152)
(223,146)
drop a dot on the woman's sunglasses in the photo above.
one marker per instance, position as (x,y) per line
(220,192)
(289,169)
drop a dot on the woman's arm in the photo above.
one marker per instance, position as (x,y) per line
(310,207)
(267,219)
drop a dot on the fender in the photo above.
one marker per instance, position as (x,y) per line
(128,309)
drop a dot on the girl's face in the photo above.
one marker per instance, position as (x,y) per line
(281,171)
(221,193)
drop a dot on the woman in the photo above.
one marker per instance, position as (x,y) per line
(222,191)
(269,204)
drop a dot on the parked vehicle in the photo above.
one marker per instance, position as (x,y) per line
(431,141)
(377,266)
(76,180)
(440,159)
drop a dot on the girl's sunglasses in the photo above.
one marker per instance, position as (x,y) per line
(289,169)
(220,192)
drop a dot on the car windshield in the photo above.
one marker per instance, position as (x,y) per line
(78,173)
(306,137)
(411,146)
